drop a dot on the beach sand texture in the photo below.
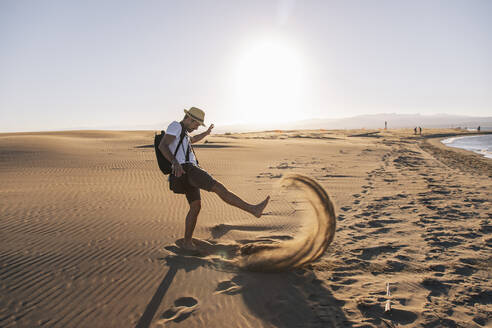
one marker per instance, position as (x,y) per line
(88,232)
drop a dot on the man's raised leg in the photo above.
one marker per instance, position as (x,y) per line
(231,199)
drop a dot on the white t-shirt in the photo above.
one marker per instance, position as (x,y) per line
(174,129)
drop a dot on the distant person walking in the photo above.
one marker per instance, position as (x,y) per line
(385,125)
(415,130)
(186,170)
(478,129)
(420,130)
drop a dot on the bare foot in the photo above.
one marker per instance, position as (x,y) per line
(189,246)
(258,210)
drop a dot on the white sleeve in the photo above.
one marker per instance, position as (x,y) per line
(174,129)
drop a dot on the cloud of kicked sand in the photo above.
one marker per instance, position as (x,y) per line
(318,233)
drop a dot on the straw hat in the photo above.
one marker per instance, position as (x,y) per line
(196,114)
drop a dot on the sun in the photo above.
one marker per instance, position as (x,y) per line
(269,83)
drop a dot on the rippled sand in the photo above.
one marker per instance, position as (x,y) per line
(89,232)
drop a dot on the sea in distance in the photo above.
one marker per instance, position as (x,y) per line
(479,144)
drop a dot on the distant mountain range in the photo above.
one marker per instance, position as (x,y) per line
(375,121)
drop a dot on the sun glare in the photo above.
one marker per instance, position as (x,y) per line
(269,83)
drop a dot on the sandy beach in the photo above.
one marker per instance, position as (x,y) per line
(88,232)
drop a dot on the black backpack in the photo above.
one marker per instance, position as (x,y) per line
(162,161)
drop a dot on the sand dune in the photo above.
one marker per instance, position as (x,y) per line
(89,233)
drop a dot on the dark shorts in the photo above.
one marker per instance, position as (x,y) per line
(197,179)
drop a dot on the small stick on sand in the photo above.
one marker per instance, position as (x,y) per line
(387,308)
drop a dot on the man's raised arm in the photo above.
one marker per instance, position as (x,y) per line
(200,136)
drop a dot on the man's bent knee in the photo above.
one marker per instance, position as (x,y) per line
(218,188)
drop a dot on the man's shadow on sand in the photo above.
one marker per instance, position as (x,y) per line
(286,299)
(175,263)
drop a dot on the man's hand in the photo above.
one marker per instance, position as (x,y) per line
(209,130)
(177,169)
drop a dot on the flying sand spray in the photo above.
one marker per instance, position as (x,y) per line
(307,247)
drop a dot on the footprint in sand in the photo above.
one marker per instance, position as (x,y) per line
(228,287)
(182,309)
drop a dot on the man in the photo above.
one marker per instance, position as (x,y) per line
(197,178)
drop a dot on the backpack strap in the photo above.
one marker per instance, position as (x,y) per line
(188,152)
(187,155)
(181,137)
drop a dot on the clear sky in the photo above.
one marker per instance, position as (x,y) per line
(94,63)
